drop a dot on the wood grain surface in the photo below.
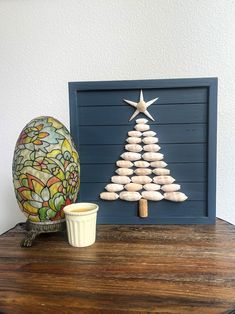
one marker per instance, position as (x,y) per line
(130,269)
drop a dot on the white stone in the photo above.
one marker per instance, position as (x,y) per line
(133,187)
(143,171)
(152,187)
(152,156)
(141,121)
(150,140)
(120,179)
(175,196)
(141,164)
(130,196)
(109,196)
(124,171)
(158,164)
(113,187)
(161,171)
(163,180)
(170,187)
(141,179)
(131,156)
(124,163)
(142,127)
(149,133)
(133,140)
(152,195)
(152,148)
(134,133)
(135,148)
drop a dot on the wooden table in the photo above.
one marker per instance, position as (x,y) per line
(136,269)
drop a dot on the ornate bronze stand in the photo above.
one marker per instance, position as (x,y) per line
(34,229)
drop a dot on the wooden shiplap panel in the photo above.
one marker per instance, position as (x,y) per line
(97,154)
(180,113)
(170,133)
(159,212)
(190,172)
(99,125)
(115,97)
(196,191)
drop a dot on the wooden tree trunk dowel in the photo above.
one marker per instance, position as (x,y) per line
(143,208)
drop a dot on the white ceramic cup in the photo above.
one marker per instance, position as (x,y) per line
(81,223)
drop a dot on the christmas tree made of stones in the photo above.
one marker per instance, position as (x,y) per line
(142,173)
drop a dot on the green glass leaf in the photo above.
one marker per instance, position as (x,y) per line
(36,197)
(35,204)
(24,182)
(32,155)
(51,204)
(67,155)
(45,194)
(43,213)
(50,213)
(59,201)
(28,163)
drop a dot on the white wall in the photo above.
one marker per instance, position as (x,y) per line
(45,44)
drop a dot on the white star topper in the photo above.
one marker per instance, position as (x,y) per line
(141,106)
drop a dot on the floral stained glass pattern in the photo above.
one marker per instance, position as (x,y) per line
(46,170)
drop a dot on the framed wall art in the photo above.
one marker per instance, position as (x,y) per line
(151,141)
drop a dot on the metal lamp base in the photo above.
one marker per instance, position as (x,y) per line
(36,228)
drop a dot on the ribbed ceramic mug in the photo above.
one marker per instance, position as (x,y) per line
(81,223)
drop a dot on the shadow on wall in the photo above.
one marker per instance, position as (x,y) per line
(10,212)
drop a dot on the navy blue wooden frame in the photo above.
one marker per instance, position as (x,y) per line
(210,84)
